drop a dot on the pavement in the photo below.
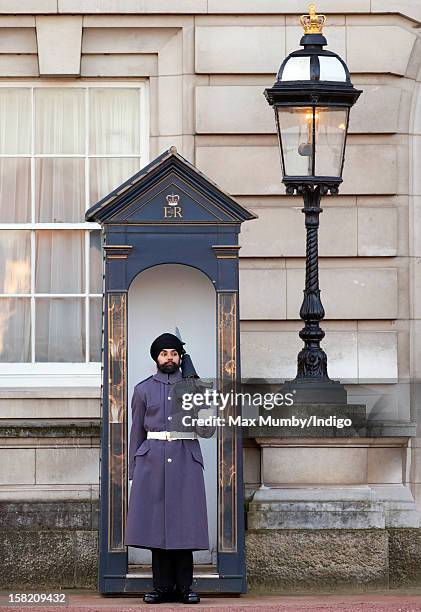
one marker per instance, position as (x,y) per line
(86,601)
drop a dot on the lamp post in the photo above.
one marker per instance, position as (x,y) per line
(312,97)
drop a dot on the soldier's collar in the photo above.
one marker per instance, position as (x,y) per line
(168,378)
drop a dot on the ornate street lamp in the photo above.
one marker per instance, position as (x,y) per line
(312,97)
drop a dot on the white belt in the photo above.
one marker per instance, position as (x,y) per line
(172,435)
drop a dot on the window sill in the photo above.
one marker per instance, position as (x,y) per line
(50,393)
(29,377)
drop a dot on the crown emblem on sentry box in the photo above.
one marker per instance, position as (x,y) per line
(172,199)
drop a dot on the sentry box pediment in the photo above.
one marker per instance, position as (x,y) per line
(168,212)
(169,190)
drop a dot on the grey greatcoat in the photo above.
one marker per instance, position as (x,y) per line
(167,506)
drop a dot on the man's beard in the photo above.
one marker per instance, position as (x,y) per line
(168,368)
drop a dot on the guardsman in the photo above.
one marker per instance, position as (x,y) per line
(167,506)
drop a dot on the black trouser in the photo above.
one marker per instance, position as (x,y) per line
(172,567)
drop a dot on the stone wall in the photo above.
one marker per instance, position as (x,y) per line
(49,544)
(325,560)
(49,504)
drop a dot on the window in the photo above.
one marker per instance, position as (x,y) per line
(62,148)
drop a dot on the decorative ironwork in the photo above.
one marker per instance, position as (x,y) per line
(312,23)
(312,360)
(117,419)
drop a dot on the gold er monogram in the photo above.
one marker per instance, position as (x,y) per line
(312,23)
(172,210)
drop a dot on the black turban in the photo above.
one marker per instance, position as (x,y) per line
(166,341)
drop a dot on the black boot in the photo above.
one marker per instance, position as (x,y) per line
(159,595)
(187,596)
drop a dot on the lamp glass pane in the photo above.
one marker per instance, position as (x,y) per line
(297,69)
(331,125)
(331,69)
(296,138)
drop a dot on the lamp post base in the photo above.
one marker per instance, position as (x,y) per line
(307,391)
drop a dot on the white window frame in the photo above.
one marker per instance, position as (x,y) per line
(52,374)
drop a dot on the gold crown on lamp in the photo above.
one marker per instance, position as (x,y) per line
(312,23)
(172,199)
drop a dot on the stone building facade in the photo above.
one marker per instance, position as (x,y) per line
(191,73)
